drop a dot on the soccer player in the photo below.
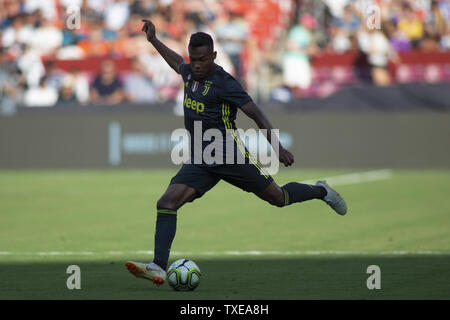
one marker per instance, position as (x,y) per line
(213,96)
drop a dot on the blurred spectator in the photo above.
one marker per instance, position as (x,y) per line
(349,22)
(336,7)
(107,88)
(434,28)
(139,86)
(98,5)
(125,45)
(17,33)
(231,33)
(11,84)
(445,40)
(444,6)
(435,19)
(30,64)
(143,7)
(47,38)
(80,85)
(67,3)
(410,25)
(340,40)
(66,92)
(165,80)
(8,10)
(299,47)
(70,52)
(95,45)
(376,46)
(116,14)
(54,75)
(397,38)
(430,42)
(47,7)
(41,96)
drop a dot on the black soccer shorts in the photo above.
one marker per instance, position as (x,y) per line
(248,177)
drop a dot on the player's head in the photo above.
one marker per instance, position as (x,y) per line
(201,54)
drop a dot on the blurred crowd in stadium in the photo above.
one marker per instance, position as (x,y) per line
(266,44)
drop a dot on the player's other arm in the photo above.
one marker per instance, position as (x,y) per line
(261,120)
(173,59)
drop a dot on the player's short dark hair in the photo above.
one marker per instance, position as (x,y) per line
(200,39)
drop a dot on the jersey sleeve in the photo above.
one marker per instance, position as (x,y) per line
(184,71)
(234,94)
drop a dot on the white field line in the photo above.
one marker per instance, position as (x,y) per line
(354,178)
(229,253)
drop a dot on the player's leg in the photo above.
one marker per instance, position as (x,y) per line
(167,207)
(252,178)
(174,198)
(190,183)
(294,192)
(290,193)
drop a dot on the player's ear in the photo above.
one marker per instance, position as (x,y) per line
(214,55)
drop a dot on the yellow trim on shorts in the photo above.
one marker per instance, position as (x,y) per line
(229,128)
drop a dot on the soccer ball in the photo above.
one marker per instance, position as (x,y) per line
(184,275)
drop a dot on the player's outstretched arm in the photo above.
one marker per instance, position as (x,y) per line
(255,113)
(173,59)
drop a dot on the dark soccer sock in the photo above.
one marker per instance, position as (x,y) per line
(298,192)
(166,225)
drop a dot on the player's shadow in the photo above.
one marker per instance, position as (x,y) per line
(252,278)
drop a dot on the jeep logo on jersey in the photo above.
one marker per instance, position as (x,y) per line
(193,104)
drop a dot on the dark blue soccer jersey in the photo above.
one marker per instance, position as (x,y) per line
(213,102)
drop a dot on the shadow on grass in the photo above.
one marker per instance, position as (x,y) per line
(250,278)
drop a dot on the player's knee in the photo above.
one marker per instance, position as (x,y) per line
(273,195)
(167,203)
(276,201)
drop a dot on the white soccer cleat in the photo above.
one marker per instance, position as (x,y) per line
(150,271)
(333,199)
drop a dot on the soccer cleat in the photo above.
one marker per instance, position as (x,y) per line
(333,199)
(150,271)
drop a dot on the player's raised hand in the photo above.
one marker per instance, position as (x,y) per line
(149,29)
(286,157)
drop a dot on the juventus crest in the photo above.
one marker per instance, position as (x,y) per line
(206,87)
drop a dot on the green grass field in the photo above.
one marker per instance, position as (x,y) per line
(100,219)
